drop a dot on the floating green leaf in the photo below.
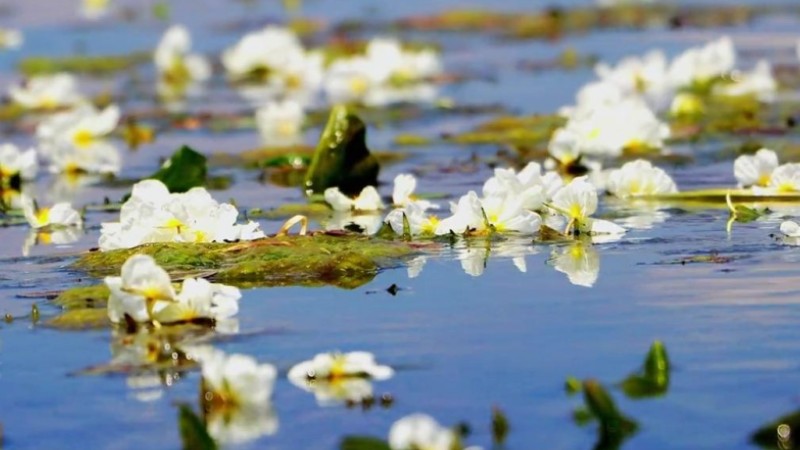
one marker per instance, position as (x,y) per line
(653,379)
(777,434)
(363,443)
(80,319)
(184,170)
(194,435)
(342,159)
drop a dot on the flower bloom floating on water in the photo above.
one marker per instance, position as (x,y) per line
(367,200)
(639,178)
(700,66)
(47,92)
(419,223)
(280,123)
(94,9)
(529,184)
(152,214)
(75,141)
(144,292)
(628,126)
(420,431)
(385,74)
(757,169)
(58,215)
(493,213)
(577,201)
(10,38)
(236,395)
(175,65)
(759,83)
(15,164)
(785,179)
(644,77)
(336,377)
(403,193)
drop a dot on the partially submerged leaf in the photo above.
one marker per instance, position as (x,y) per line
(83,297)
(614,426)
(184,170)
(342,159)
(194,435)
(777,434)
(500,426)
(653,378)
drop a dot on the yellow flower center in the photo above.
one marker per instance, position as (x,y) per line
(173,223)
(286,128)
(639,83)
(338,368)
(359,86)
(763,179)
(786,187)
(429,226)
(575,211)
(82,138)
(45,238)
(43,216)
(293,82)
(48,102)
(594,134)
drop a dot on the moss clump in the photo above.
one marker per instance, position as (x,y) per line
(344,260)
(97,65)
(80,319)
(83,297)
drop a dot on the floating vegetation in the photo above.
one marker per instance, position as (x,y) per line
(91,65)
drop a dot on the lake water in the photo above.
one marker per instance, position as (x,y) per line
(462,344)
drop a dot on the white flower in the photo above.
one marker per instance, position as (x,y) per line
(174,63)
(594,95)
(59,215)
(14,163)
(467,216)
(10,38)
(365,223)
(99,157)
(701,65)
(687,104)
(645,77)
(328,366)
(47,92)
(57,236)
(152,214)
(402,67)
(367,200)
(629,125)
(418,221)
(420,431)
(262,54)
(200,299)
(759,83)
(508,213)
(142,286)
(757,169)
(579,261)
(577,201)
(80,127)
(785,179)
(280,123)
(352,80)
(639,178)
(403,192)
(237,392)
(790,228)
(338,377)
(528,185)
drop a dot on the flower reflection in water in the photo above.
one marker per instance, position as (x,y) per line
(579,261)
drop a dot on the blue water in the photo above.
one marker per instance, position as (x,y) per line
(462,344)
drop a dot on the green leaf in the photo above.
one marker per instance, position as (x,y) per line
(653,379)
(184,170)
(97,65)
(194,435)
(572,385)
(80,319)
(500,426)
(614,426)
(778,433)
(363,443)
(342,158)
(744,214)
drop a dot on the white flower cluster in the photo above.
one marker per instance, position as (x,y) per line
(144,293)
(153,214)
(764,175)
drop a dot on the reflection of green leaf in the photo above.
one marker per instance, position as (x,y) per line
(184,170)
(614,426)
(778,434)
(500,426)
(653,379)
(582,416)
(362,443)
(342,158)
(194,435)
